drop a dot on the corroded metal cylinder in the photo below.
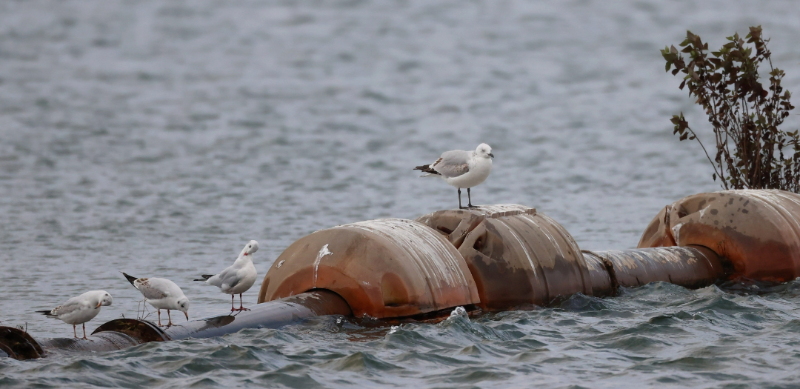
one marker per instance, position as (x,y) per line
(274,314)
(382,268)
(691,267)
(601,274)
(758,231)
(106,340)
(18,344)
(517,256)
(122,333)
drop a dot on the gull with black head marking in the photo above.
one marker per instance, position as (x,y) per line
(462,169)
(161,293)
(80,309)
(237,278)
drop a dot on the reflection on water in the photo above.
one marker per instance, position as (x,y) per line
(156,138)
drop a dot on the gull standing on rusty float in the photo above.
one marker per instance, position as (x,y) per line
(161,293)
(462,169)
(80,309)
(237,278)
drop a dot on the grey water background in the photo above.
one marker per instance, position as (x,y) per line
(157,138)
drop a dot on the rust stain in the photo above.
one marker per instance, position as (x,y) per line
(761,240)
(382,268)
(691,267)
(517,256)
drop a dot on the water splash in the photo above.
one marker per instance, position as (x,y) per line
(459,312)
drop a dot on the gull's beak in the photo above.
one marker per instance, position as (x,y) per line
(491,155)
(187,315)
(98,305)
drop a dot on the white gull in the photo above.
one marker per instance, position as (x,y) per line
(161,293)
(462,169)
(80,309)
(237,278)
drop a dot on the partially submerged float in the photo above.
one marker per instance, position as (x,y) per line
(490,258)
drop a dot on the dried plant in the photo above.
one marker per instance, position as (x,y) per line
(752,153)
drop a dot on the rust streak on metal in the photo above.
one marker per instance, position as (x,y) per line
(692,267)
(758,231)
(382,268)
(517,256)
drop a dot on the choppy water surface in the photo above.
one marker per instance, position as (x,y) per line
(158,137)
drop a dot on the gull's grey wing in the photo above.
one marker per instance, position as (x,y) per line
(452,163)
(229,277)
(151,289)
(70,306)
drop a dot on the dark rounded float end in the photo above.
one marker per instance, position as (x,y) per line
(17,344)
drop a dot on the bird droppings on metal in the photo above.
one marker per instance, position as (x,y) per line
(322,252)
(385,268)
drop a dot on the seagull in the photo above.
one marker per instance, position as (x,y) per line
(80,309)
(161,293)
(237,278)
(462,169)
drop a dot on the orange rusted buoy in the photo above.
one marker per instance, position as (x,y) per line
(758,231)
(517,256)
(383,268)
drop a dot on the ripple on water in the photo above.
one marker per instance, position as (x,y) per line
(156,138)
(290,376)
(361,362)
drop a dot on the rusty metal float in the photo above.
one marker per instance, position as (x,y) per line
(383,268)
(490,257)
(757,231)
(516,255)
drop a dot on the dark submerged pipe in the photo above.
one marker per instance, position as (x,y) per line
(121,333)
(265,315)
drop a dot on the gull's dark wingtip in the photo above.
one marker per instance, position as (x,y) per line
(205,277)
(129,277)
(426,169)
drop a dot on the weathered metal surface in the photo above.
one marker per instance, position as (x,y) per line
(17,344)
(517,256)
(104,341)
(121,333)
(273,314)
(691,267)
(382,268)
(601,274)
(758,231)
(143,331)
(113,335)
